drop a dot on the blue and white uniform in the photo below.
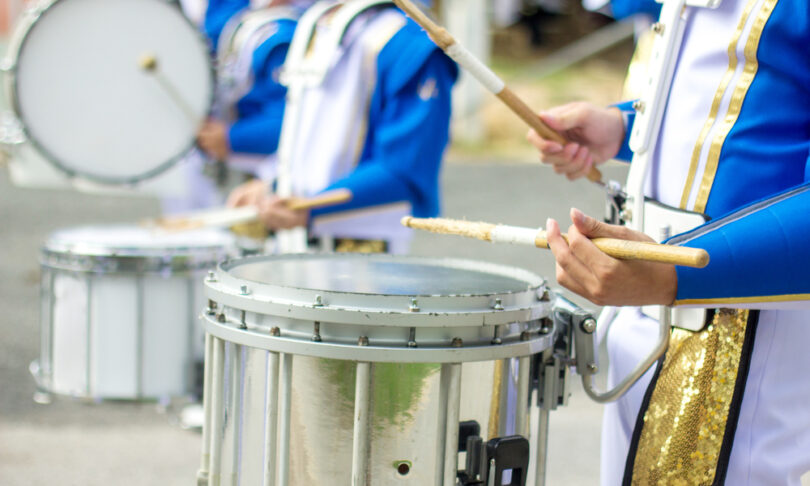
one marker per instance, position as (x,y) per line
(734,145)
(250,47)
(368,110)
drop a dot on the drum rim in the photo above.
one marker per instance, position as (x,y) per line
(56,245)
(84,256)
(362,309)
(36,12)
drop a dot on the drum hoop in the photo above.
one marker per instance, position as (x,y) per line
(36,14)
(412,310)
(173,261)
(377,354)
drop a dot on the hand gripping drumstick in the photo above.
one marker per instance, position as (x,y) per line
(491,81)
(621,249)
(247,214)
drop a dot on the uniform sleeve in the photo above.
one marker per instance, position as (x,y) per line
(217,15)
(629,117)
(402,159)
(261,111)
(625,8)
(760,256)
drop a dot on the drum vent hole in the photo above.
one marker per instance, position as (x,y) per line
(403,468)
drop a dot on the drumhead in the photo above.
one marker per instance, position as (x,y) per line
(384,275)
(135,240)
(87,104)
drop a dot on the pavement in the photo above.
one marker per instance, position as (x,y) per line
(71,442)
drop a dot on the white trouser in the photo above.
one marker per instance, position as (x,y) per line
(772,441)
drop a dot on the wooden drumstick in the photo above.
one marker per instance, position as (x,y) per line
(491,81)
(621,249)
(149,64)
(246,214)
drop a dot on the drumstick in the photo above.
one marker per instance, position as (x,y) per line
(621,249)
(246,214)
(149,63)
(491,81)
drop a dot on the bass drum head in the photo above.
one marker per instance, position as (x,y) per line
(87,103)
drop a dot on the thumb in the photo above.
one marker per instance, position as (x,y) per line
(564,118)
(593,228)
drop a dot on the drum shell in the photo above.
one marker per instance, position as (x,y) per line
(404,425)
(122,326)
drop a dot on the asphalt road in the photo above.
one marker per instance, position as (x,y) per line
(74,443)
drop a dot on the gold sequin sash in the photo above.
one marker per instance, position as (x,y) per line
(691,415)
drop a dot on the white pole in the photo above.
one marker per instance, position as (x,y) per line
(284,415)
(360,444)
(451,440)
(271,420)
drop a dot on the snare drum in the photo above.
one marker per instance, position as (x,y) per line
(78,86)
(119,311)
(358,369)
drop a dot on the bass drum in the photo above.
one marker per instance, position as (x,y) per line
(109,91)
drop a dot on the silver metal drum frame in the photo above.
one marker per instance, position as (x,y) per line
(285,412)
(362,406)
(236,302)
(213,414)
(278,396)
(271,421)
(202,474)
(453,372)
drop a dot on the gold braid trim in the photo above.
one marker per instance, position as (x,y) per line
(685,422)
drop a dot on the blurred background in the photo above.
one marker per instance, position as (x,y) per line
(550,52)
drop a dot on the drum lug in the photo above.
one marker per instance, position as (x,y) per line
(487,463)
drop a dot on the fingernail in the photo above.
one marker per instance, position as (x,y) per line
(577,215)
(554,147)
(550,224)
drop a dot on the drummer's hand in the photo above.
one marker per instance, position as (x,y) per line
(275,214)
(587,271)
(595,135)
(213,140)
(250,193)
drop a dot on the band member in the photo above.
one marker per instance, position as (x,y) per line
(368,110)
(728,402)
(250,41)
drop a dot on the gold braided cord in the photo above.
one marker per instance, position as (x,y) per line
(685,422)
(735,107)
(715,108)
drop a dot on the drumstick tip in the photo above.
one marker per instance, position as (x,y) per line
(702,259)
(148,62)
(406,221)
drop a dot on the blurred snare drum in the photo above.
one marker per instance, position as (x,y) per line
(120,309)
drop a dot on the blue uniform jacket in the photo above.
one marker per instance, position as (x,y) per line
(758,237)
(261,111)
(409,124)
